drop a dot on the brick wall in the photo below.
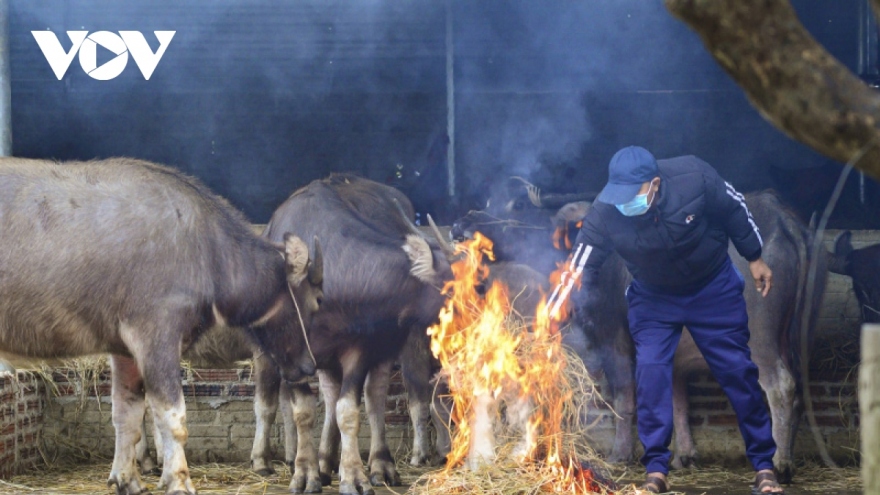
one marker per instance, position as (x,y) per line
(71,418)
(22,402)
(220,418)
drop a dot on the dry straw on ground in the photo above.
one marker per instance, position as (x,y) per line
(507,477)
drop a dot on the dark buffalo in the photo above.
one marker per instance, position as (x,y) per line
(517,219)
(136,260)
(863,266)
(382,283)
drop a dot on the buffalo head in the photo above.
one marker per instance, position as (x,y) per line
(283,332)
(863,266)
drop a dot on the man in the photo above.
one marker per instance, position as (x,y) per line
(671,222)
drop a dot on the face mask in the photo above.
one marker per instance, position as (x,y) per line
(639,205)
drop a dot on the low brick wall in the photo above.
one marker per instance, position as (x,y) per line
(220,417)
(22,405)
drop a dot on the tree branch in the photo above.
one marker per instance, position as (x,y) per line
(789,77)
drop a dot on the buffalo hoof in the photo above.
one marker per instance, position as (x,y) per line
(149,467)
(382,468)
(419,460)
(152,471)
(326,479)
(131,488)
(785,473)
(356,489)
(311,487)
(384,472)
(685,461)
(265,472)
(390,480)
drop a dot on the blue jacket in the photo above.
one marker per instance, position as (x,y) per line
(680,244)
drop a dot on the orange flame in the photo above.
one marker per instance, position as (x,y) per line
(482,358)
(561,240)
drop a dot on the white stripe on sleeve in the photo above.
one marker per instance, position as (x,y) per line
(742,201)
(562,291)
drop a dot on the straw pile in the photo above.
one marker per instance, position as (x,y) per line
(508,477)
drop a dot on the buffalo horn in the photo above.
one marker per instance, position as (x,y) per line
(559,200)
(406,219)
(444,246)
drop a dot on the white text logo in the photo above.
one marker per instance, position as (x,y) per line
(86,45)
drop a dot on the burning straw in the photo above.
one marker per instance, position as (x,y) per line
(517,398)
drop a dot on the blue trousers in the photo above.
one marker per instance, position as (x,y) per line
(716,318)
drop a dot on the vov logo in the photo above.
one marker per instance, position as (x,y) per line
(86,45)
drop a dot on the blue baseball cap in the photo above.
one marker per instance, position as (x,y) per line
(629,169)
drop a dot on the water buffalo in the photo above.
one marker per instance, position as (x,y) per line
(518,218)
(382,283)
(134,259)
(863,266)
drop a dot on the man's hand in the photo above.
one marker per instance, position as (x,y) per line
(763,276)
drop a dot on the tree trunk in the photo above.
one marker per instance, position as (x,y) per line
(789,77)
(869,407)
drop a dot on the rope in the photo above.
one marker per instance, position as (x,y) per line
(302,325)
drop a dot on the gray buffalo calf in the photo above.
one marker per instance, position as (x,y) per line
(134,259)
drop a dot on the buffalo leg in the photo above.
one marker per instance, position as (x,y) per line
(267,381)
(306,478)
(779,386)
(165,395)
(128,416)
(441,415)
(620,375)
(381,462)
(328,452)
(417,365)
(685,451)
(145,460)
(285,402)
(352,480)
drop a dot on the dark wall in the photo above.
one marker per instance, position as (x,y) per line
(259,98)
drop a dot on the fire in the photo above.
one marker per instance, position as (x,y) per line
(561,240)
(488,365)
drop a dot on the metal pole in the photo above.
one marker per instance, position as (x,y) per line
(869,407)
(450,102)
(5,89)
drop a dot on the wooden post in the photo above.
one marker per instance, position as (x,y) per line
(869,407)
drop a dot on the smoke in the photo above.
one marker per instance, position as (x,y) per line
(258,98)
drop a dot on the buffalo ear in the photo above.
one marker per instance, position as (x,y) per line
(296,258)
(316,266)
(843,243)
(837,260)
